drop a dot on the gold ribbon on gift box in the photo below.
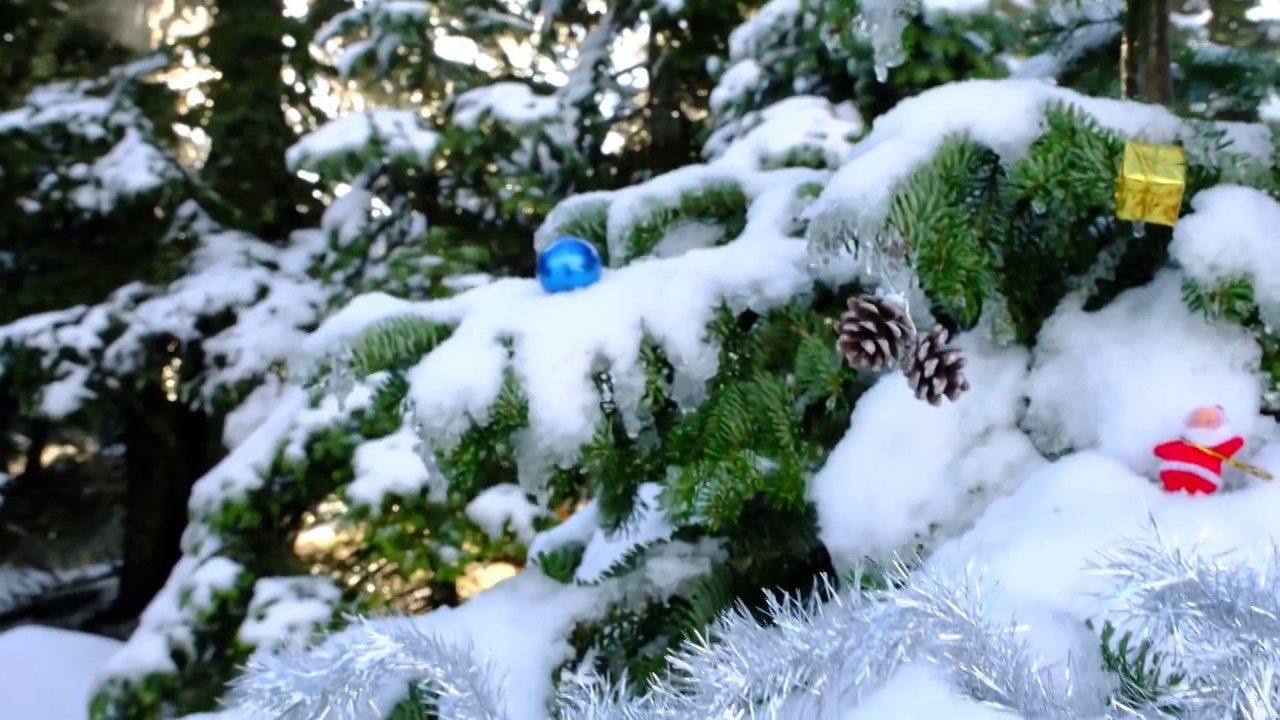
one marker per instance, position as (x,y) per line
(1151,183)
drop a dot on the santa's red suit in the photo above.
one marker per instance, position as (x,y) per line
(1186,468)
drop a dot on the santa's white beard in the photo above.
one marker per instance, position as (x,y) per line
(1206,437)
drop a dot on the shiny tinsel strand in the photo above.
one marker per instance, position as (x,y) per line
(1219,620)
(591,696)
(1217,617)
(815,657)
(347,676)
(989,663)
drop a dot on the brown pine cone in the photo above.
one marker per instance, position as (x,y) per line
(875,333)
(935,370)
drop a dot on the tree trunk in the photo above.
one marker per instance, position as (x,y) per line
(671,132)
(1146,66)
(245,119)
(39,433)
(168,446)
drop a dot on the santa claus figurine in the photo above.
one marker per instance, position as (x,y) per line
(1193,463)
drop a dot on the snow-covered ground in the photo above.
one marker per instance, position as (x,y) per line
(49,674)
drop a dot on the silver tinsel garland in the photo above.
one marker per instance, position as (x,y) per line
(348,676)
(1218,621)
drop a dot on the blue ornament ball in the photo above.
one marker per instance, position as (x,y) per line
(569,264)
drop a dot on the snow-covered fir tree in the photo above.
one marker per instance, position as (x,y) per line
(695,397)
(682,436)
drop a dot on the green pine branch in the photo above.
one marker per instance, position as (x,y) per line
(561,563)
(1139,669)
(391,344)
(722,203)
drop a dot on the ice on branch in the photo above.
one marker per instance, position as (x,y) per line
(884,22)
(1085,28)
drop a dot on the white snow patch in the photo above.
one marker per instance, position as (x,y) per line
(396,133)
(1034,548)
(49,673)
(1231,234)
(736,83)
(286,611)
(505,506)
(1122,379)
(390,467)
(908,473)
(801,124)
(511,103)
(604,549)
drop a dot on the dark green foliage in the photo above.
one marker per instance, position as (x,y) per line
(46,41)
(246,116)
(978,228)
(415,706)
(768,551)
(393,343)
(1234,301)
(201,675)
(387,408)
(485,454)
(68,252)
(589,221)
(819,50)
(634,644)
(1224,76)
(1139,670)
(560,564)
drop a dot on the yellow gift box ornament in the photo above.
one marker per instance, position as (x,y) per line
(1151,183)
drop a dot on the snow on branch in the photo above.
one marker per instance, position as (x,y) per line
(260,297)
(803,130)
(1005,116)
(511,103)
(115,156)
(553,346)
(383,27)
(349,141)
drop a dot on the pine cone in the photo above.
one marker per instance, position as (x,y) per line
(874,333)
(934,370)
